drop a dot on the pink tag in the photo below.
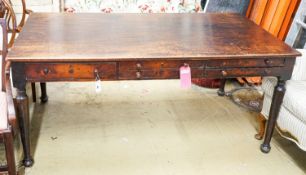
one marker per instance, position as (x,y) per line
(185,76)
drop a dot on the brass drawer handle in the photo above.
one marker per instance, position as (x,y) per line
(71,71)
(267,71)
(138,65)
(224,73)
(46,71)
(138,75)
(268,62)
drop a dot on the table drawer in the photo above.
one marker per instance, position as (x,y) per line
(238,72)
(157,69)
(165,73)
(69,72)
(268,62)
(156,65)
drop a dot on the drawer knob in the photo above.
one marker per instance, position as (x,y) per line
(71,70)
(224,73)
(267,71)
(138,75)
(138,65)
(268,62)
(46,71)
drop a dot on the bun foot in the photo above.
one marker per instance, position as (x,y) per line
(44,99)
(28,162)
(220,93)
(265,148)
(221,88)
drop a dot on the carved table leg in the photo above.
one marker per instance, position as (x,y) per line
(24,124)
(44,96)
(277,100)
(221,88)
(262,126)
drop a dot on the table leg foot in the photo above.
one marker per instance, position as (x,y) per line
(220,91)
(28,162)
(44,99)
(265,148)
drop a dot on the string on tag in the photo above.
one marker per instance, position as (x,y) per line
(98,86)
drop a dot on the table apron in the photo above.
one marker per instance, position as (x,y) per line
(158,69)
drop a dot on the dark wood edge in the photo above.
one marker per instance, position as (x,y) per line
(95,59)
(185,59)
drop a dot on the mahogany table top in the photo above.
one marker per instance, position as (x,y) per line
(61,37)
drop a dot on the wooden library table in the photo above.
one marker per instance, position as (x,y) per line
(82,47)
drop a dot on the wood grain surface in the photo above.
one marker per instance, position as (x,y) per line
(59,37)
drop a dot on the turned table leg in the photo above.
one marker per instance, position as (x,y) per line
(277,100)
(22,107)
(44,96)
(24,124)
(221,88)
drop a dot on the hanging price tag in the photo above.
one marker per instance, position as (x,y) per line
(98,86)
(185,76)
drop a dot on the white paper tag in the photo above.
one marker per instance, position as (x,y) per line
(185,71)
(98,86)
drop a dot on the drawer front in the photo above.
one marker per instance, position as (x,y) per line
(157,69)
(69,72)
(157,74)
(238,72)
(154,65)
(268,62)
